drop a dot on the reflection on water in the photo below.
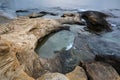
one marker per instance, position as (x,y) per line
(62,39)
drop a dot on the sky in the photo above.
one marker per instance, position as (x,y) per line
(25,4)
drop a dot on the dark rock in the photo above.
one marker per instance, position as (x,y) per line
(101,71)
(68,15)
(96,21)
(107,48)
(50,13)
(35,15)
(22,11)
(82,49)
(41,14)
(68,60)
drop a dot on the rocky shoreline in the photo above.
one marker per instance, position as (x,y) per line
(91,57)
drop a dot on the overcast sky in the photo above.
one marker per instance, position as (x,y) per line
(22,4)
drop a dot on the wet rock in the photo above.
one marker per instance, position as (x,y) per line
(107,48)
(52,65)
(77,74)
(101,71)
(49,13)
(41,14)
(82,49)
(22,11)
(35,15)
(53,76)
(68,60)
(96,21)
(4,19)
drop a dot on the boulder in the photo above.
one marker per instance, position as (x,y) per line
(77,74)
(53,76)
(96,21)
(101,71)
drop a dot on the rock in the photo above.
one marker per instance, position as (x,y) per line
(18,40)
(71,18)
(77,74)
(41,14)
(22,11)
(4,19)
(53,76)
(101,71)
(107,48)
(82,49)
(35,15)
(69,60)
(49,13)
(96,21)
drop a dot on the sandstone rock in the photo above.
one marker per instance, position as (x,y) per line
(77,74)
(53,76)
(18,39)
(101,71)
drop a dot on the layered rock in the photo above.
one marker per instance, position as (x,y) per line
(18,40)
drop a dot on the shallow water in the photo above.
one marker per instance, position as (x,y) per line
(55,42)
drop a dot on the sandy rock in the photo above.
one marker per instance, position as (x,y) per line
(18,39)
(77,74)
(53,76)
(101,71)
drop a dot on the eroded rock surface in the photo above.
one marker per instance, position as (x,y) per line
(17,43)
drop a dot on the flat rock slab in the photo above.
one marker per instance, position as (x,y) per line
(101,71)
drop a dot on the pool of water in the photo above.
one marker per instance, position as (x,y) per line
(55,42)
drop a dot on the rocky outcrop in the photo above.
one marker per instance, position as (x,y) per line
(18,40)
(96,21)
(19,61)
